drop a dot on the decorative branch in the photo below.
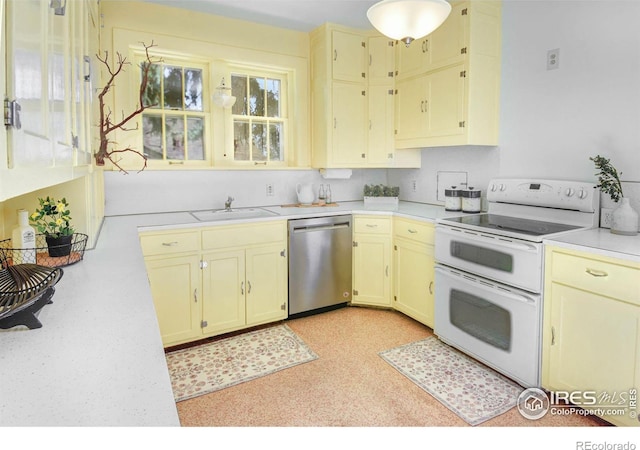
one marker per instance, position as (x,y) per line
(107,125)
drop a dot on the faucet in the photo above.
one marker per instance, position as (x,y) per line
(227,204)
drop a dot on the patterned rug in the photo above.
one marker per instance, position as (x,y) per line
(473,391)
(217,365)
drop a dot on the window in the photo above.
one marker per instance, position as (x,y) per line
(175,128)
(259,117)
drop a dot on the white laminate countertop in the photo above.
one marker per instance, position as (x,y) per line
(98,359)
(600,241)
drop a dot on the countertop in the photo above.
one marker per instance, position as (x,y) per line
(98,359)
(601,242)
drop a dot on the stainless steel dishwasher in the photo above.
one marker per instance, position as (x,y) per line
(319,264)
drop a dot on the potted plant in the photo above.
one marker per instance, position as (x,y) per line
(53,219)
(381,194)
(624,220)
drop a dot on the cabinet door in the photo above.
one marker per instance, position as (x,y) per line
(348,57)
(446,102)
(411,60)
(175,289)
(371,271)
(593,343)
(381,60)
(446,44)
(412,108)
(266,292)
(381,140)
(224,287)
(349,125)
(413,280)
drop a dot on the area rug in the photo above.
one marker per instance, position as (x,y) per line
(473,391)
(217,365)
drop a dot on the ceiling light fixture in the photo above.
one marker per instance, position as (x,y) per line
(406,20)
(222,96)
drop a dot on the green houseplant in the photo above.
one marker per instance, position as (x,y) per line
(624,219)
(381,194)
(53,219)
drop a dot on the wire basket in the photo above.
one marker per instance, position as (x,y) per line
(40,254)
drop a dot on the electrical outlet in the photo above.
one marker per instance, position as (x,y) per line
(553,59)
(605,217)
(270,190)
(414,186)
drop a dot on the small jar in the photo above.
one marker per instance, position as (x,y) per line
(452,199)
(471,200)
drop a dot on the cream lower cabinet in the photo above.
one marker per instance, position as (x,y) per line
(371,261)
(591,332)
(217,279)
(413,274)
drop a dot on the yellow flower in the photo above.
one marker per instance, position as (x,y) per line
(60,206)
(59,221)
(34,216)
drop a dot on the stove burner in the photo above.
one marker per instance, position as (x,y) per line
(513,224)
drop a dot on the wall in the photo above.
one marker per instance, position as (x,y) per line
(553,121)
(161,191)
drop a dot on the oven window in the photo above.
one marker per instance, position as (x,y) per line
(482,256)
(480,318)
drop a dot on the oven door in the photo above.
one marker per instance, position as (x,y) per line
(507,260)
(495,324)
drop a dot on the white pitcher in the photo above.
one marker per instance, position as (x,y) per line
(305,193)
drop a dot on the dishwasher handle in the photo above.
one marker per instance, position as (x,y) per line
(320,227)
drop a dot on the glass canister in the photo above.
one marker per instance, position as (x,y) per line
(452,199)
(471,200)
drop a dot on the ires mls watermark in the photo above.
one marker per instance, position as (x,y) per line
(534,403)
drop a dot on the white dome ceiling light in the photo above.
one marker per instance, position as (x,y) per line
(406,20)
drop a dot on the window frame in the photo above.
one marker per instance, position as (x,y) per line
(185,61)
(286,77)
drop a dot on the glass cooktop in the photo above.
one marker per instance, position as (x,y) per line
(509,224)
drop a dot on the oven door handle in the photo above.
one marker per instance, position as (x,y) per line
(496,240)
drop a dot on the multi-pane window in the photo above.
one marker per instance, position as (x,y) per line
(174,128)
(259,117)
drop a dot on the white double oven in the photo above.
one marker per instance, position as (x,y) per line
(489,271)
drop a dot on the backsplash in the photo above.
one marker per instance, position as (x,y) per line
(164,191)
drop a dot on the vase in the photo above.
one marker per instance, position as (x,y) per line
(624,219)
(59,246)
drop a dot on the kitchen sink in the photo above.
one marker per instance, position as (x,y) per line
(231,214)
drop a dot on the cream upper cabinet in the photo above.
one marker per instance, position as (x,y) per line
(371,261)
(413,269)
(443,47)
(218,279)
(448,85)
(348,56)
(591,330)
(46,49)
(352,100)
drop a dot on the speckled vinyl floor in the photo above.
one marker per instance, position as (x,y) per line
(349,385)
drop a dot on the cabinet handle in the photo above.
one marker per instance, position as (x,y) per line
(195,295)
(386,271)
(248,287)
(412,231)
(422,106)
(335,55)
(425,46)
(335,123)
(553,335)
(431,288)
(370,59)
(242,288)
(170,244)
(372,225)
(597,273)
